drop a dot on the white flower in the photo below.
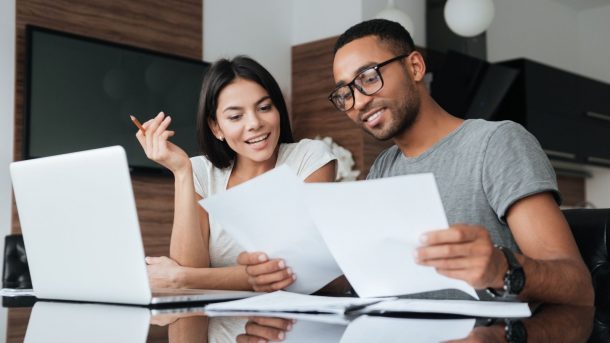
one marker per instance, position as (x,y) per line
(345,161)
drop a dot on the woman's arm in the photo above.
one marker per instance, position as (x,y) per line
(189,246)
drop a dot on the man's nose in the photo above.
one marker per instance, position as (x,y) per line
(361,101)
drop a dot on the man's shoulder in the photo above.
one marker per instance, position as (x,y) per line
(383,162)
(483,126)
(481,131)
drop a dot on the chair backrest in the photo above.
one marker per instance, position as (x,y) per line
(590,229)
(15,273)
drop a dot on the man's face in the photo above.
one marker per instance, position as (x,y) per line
(391,110)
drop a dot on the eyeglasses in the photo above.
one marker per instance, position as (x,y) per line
(368,82)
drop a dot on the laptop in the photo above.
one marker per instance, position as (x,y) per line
(81,231)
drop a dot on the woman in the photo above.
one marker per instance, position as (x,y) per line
(243,131)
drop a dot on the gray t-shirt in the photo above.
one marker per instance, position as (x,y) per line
(481,169)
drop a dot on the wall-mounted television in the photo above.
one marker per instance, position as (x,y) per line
(80,92)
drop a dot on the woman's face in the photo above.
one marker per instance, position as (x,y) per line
(248,120)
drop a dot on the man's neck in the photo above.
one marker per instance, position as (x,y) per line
(432,124)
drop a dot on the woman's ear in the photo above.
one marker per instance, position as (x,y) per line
(216,131)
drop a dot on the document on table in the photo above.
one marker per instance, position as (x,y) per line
(281,301)
(373,227)
(268,214)
(489,309)
(287,302)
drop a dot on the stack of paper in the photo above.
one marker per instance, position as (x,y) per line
(281,301)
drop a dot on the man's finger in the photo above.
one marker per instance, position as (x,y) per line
(454,234)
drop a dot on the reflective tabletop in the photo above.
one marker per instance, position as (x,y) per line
(43,321)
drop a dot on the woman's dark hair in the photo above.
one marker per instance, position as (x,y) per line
(220,74)
(392,33)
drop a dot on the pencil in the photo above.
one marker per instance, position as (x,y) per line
(137,123)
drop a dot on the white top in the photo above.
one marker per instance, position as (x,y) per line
(304,157)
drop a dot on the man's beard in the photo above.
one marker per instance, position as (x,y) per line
(402,118)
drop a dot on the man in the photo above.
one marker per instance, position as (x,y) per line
(499,191)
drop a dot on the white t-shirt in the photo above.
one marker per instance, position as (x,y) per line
(304,157)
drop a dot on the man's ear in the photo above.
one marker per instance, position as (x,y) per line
(417,66)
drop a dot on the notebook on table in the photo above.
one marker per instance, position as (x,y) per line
(81,231)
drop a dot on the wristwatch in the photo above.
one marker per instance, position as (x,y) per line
(514,279)
(515,331)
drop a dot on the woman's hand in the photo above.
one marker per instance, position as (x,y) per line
(163,272)
(158,148)
(266,275)
(265,329)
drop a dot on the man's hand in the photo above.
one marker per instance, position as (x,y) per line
(266,275)
(163,272)
(265,329)
(464,252)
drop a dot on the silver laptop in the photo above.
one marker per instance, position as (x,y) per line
(81,232)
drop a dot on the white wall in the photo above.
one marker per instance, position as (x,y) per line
(541,30)
(317,19)
(594,43)
(261,29)
(7,108)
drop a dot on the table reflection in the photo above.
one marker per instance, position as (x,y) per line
(78,322)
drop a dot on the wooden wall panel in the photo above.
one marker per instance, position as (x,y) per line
(173,27)
(572,190)
(313,115)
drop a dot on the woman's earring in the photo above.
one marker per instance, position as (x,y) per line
(221,138)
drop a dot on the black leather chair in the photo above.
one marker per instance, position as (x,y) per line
(16,273)
(590,228)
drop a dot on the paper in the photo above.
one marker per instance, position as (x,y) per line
(268,214)
(373,227)
(281,301)
(490,309)
(388,330)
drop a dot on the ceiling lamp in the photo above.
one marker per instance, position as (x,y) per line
(391,12)
(469,18)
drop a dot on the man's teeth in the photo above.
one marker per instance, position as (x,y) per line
(373,116)
(256,140)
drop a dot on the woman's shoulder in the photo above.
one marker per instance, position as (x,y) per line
(304,146)
(203,166)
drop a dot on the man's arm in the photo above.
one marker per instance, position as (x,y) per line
(554,270)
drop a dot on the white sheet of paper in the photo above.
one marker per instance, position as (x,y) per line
(268,214)
(373,227)
(388,330)
(491,309)
(281,301)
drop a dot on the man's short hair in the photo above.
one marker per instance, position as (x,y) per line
(389,32)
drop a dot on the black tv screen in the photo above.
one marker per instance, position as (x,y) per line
(81,91)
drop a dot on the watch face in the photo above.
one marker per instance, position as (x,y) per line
(515,332)
(516,281)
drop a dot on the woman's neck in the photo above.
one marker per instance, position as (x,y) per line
(245,169)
